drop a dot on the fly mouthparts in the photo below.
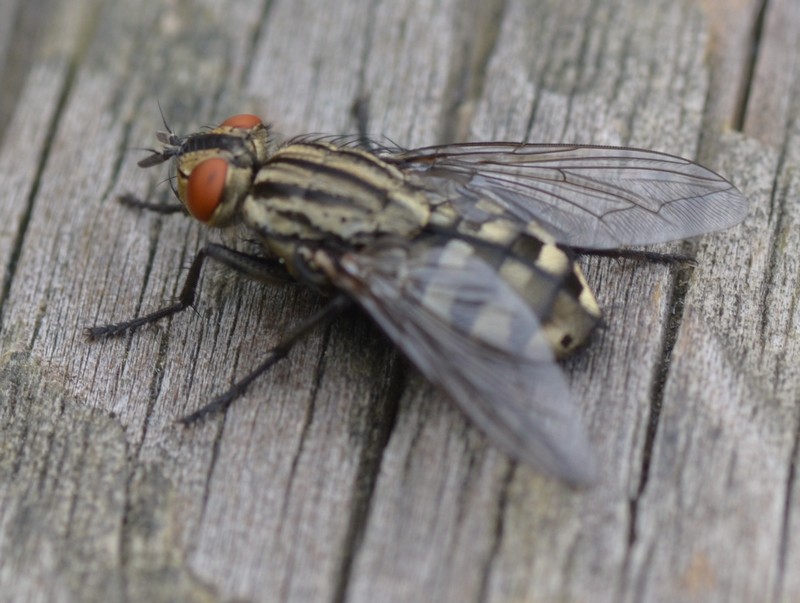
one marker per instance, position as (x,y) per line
(171,146)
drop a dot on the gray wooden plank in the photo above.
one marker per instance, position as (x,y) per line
(47,522)
(23,27)
(718,466)
(77,248)
(35,102)
(297,545)
(128,267)
(730,50)
(342,475)
(721,470)
(770,106)
(614,73)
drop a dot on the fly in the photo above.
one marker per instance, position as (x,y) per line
(463,254)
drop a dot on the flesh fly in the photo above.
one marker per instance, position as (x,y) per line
(462,254)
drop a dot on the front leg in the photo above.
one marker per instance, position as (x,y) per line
(159,208)
(223,401)
(252,266)
(640,255)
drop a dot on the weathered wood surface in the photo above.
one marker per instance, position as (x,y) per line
(342,476)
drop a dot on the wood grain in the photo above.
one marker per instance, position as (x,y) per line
(342,476)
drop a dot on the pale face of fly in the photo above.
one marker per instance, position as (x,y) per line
(215,168)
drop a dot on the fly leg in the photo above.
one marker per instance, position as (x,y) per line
(360,112)
(220,403)
(639,255)
(252,266)
(159,208)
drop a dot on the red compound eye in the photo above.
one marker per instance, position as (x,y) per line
(244,121)
(206,188)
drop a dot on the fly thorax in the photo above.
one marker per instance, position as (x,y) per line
(317,191)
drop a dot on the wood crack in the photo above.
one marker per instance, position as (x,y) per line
(740,110)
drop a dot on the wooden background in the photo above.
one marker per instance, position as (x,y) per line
(342,476)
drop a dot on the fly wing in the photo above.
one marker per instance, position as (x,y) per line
(470,333)
(585,196)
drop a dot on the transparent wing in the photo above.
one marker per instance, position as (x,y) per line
(585,196)
(468,332)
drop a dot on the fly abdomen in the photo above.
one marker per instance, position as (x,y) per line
(529,259)
(316,191)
